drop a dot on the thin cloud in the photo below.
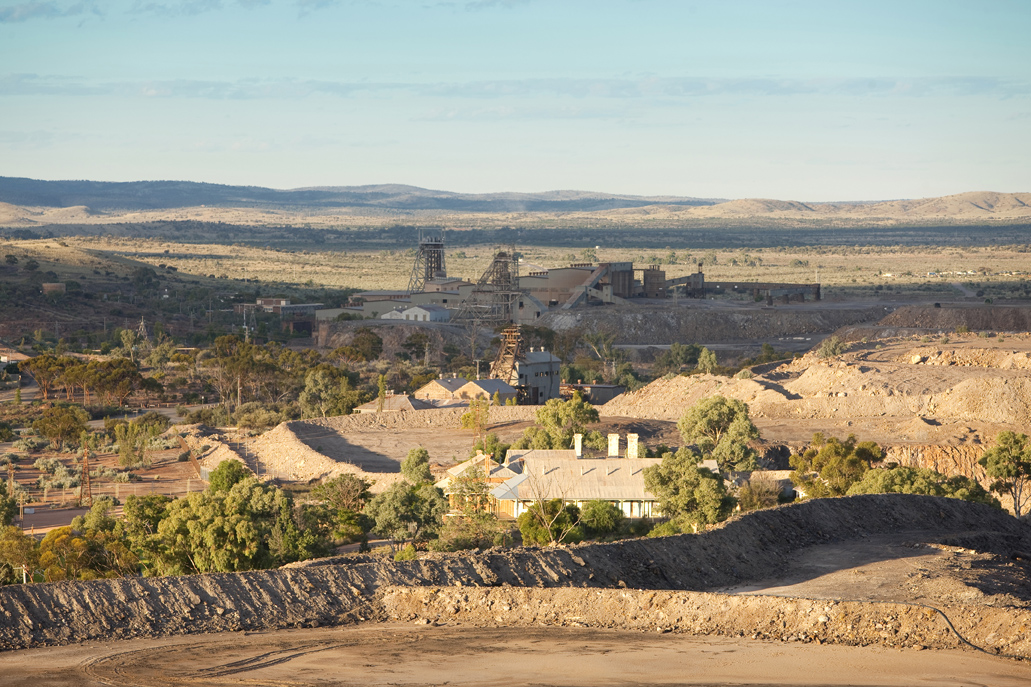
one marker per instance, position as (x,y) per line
(45,10)
(190,7)
(644,89)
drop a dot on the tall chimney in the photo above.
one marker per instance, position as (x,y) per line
(631,446)
(613,446)
(578,445)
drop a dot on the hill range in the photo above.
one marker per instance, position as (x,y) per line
(30,202)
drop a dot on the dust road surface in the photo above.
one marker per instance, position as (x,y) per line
(400,654)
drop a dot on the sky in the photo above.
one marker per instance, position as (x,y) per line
(814,101)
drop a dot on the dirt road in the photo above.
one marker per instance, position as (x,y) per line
(401,654)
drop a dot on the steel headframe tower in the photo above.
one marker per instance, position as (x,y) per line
(429,262)
(494,299)
(504,365)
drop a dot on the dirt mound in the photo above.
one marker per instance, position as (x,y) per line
(747,548)
(370,445)
(1002,318)
(668,398)
(998,358)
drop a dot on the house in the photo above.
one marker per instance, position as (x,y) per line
(394,314)
(482,466)
(531,475)
(427,313)
(458,388)
(559,474)
(393,403)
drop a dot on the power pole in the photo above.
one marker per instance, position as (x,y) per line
(85,491)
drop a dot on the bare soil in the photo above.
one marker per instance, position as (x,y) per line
(460,654)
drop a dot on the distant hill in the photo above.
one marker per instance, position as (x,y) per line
(980,205)
(108,196)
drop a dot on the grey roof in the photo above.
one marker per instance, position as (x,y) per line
(492,385)
(475,464)
(395,403)
(429,307)
(534,357)
(611,479)
(452,384)
(515,454)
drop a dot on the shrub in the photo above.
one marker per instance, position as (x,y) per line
(831,346)
(408,553)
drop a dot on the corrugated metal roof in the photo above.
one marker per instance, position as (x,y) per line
(395,403)
(452,384)
(492,385)
(610,479)
(535,357)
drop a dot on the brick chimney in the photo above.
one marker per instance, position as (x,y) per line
(613,446)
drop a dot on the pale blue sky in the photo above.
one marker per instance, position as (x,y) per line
(796,100)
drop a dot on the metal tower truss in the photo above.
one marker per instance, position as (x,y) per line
(429,262)
(495,298)
(504,365)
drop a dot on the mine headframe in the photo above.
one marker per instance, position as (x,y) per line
(509,351)
(429,261)
(495,297)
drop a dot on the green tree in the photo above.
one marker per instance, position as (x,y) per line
(600,518)
(140,520)
(416,466)
(470,525)
(557,422)
(381,395)
(900,479)
(367,343)
(676,358)
(687,493)
(549,522)
(406,512)
(250,526)
(226,475)
(830,466)
(46,369)
(132,438)
(1009,464)
(721,429)
(346,496)
(327,392)
(17,550)
(707,362)
(62,423)
(8,506)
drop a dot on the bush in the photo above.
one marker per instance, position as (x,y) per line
(831,346)
(601,518)
(408,553)
(665,529)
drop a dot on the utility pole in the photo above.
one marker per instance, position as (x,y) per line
(85,491)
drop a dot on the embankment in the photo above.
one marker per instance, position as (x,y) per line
(853,623)
(333,591)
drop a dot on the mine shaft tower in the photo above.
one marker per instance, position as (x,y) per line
(494,299)
(429,262)
(509,352)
